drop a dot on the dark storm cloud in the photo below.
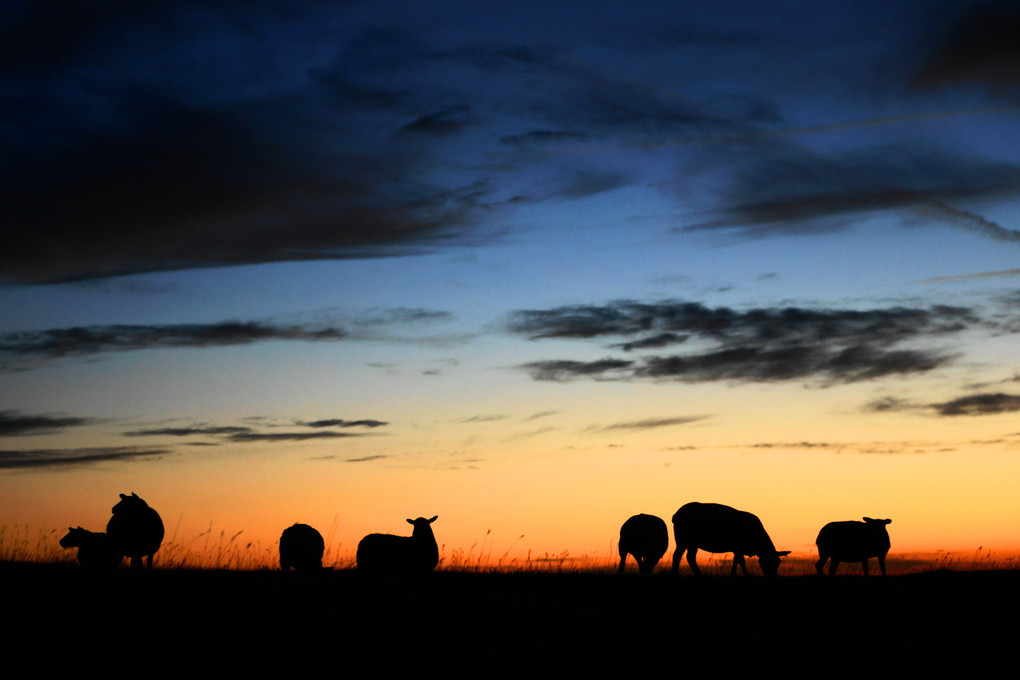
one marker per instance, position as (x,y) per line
(168,137)
(88,340)
(756,345)
(13,424)
(147,137)
(980,45)
(59,458)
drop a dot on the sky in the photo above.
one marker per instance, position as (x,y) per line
(529,267)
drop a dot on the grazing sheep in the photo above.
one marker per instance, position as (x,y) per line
(646,538)
(301,548)
(94,550)
(721,529)
(853,542)
(135,530)
(388,553)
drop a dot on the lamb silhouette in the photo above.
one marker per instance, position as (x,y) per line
(853,542)
(95,553)
(301,548)
(135,530)
(646,538)
(400,554)
(721,529)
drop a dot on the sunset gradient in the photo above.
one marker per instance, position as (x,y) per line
(529,270)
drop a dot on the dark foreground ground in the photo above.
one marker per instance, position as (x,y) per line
(205,623)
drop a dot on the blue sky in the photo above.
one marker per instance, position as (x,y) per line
(331,227)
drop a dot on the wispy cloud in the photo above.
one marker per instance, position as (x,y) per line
(339,422)
(980,404)
(59,458)
(649,423)
(25,350)
(13,423)
(87,340)
(979,275)
(787,189)
(755,345)
(268,433)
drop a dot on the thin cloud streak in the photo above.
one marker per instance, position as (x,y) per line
(971,405)
(13,424)
(62,458)
(88,340)
(649,423)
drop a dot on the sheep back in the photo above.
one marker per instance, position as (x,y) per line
(388,553)
(95,552)
(301,548)
(854,541)
(646,538)
(135,530)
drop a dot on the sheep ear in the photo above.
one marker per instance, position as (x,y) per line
(782,553)
(410,521)
(433,519)
(123,497)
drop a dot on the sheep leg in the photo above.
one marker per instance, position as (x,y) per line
(820,564)
(692,553)
(881,564)
(864,566)
(677,554)
(832,566)
(623,562)
(738,559)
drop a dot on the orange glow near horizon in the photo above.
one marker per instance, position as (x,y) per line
(541,503)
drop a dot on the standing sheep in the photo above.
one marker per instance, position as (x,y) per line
(720,529)
(853,542)
(646,538)
(94,550)
(388,553)
(135,530)
(301,548)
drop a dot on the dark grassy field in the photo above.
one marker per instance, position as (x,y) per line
(462,624)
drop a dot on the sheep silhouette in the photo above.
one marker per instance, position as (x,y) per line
(301,548)
(135,530)
(646,538)
(400,554)
(853,541)
(721,529)
(95,553)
